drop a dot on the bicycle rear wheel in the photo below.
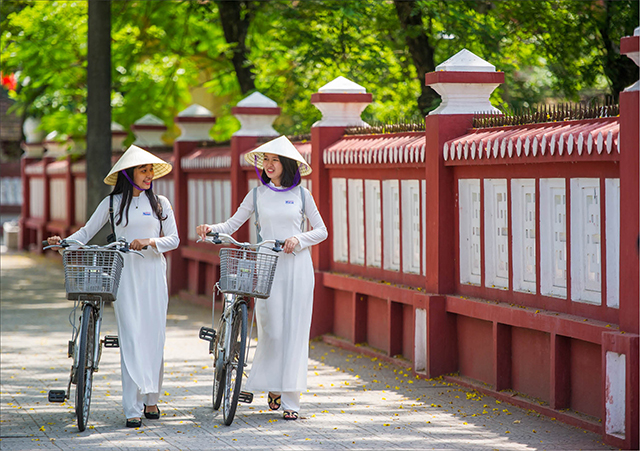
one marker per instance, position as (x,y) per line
(85,365)
(235,364)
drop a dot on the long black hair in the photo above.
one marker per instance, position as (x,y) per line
(289,170)
(124,187)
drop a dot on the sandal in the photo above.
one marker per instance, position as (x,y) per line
(274,402)
(152,415)
(134,422)
(290,415)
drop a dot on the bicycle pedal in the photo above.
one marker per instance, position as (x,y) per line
(245,397)
(207,334)
(111,341)
(57,395)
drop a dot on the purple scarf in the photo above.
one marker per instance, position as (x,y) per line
(131,181)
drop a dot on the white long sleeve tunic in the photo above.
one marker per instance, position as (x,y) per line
(284,319)
(142,298)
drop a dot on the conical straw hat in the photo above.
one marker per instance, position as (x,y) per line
(279,146)
(135,156)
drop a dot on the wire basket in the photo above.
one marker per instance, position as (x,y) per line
(245,272)
(92,272)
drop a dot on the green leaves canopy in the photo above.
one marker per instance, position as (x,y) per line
(167,54)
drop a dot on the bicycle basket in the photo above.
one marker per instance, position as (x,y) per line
(92,272)
(245,272)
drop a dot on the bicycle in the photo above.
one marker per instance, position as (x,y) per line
(92,275)
(244,273)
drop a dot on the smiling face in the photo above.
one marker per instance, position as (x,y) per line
(142,177)
(272,167)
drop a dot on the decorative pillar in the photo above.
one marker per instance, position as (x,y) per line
(71,197)
(465,83)
(118,135)
(256,114)
(620,349)
(195,123)
(34,149)
(341,102)
(57,146)
(149,130)
(629,193)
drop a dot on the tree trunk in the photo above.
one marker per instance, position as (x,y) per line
(98,103)
(235,17)
(410,17)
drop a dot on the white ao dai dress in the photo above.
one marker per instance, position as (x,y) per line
(142,299)
(284,319)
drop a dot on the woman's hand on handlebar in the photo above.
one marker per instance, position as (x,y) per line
(290,244)
(53,240)
(138,245)
(202,230)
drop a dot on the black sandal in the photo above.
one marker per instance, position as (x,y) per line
(290,415)
(134,423)
(274,401)
(152,415)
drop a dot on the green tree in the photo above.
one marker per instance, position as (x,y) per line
(548,49)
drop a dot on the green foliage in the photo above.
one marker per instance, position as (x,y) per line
(51,76)
(163,50)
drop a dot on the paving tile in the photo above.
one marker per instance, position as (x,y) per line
(353,402)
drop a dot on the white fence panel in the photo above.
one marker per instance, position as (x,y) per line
(523,210)
(553,238)
(496,233)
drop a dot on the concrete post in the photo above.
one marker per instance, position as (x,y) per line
(195,123)
(256,114)
(465,83)
(341,102)
(620,355)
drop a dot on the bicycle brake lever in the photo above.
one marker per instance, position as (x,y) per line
(277,247)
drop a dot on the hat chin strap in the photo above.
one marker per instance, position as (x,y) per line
(296,179)
(135,186)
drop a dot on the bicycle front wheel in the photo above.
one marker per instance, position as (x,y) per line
(218,369)
(235,364)
(85,365)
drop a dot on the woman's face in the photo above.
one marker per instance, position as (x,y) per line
(142,176)
(272,166)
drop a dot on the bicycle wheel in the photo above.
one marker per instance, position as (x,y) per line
(85,365)
(235,364)
(218,370)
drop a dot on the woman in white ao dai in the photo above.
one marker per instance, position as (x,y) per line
(284,319)
(146,222)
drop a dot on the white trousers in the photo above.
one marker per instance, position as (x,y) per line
(290,400)
(132,400)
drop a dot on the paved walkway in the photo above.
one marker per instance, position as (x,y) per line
(353,401)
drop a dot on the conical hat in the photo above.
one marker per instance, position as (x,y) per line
(135,156)
(279,146)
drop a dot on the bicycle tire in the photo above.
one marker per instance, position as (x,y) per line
(85,365)
(234,367)
(218,371)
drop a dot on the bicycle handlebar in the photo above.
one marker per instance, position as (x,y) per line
(120,245)
(219,238)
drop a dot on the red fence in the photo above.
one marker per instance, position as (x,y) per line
(504,258)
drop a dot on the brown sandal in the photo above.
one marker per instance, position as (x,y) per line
(274,402)
(290,415)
